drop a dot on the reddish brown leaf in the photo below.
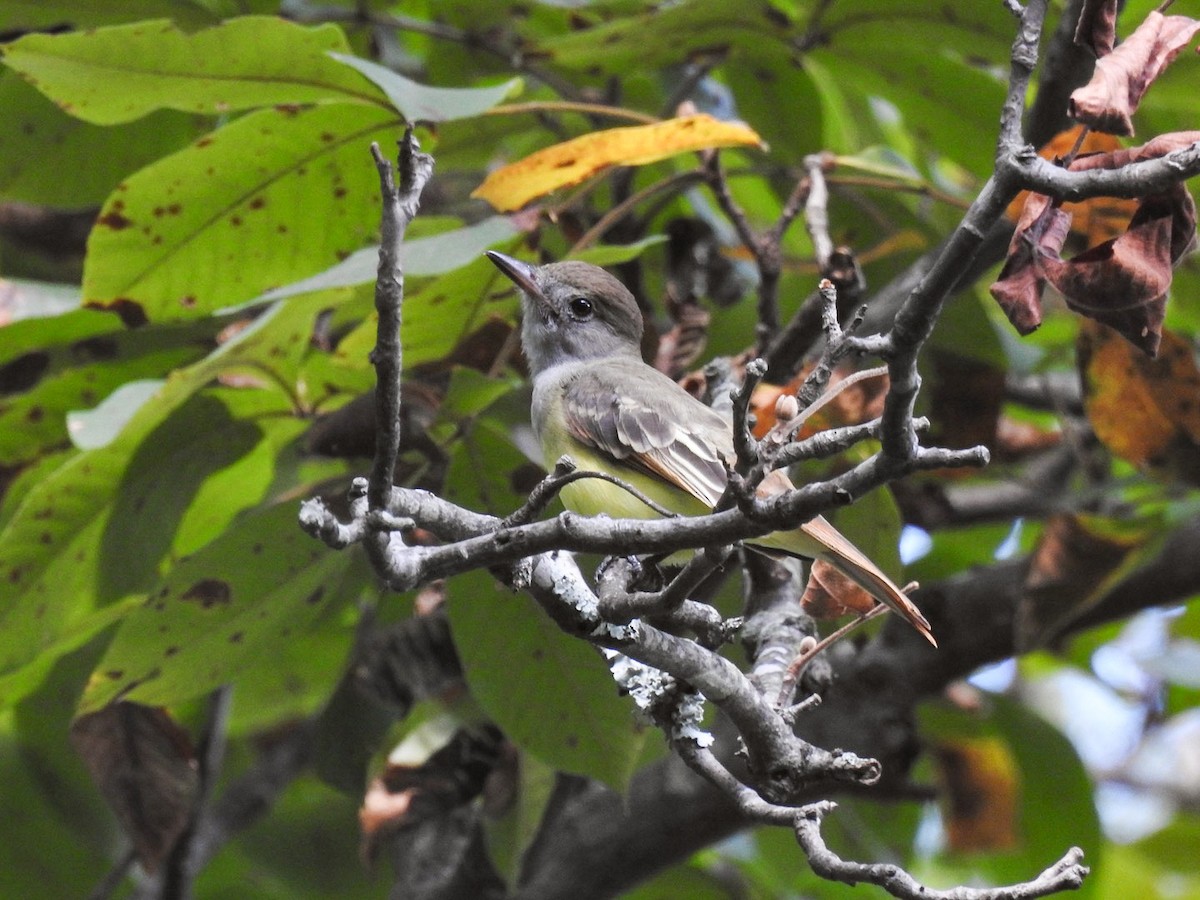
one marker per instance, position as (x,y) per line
(1123,282)
(1097,26)
(1122,77)
(830,594)
(965,400)
(143,764)
(1039,236)
(1117,157)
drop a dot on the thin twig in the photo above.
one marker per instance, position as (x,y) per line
(796,668)
(816,209)
(1066,874)
(672,184)
(591,109)
(565,472)
(400,205)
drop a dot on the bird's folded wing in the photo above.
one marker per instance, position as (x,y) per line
(638,416)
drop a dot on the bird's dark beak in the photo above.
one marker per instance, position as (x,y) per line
(520,273)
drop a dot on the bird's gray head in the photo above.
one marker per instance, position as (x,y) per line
(572,311)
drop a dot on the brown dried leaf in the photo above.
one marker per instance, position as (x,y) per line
(830,594)
(1039,236)
(1118,157)
(1122,77)
(144,766)
(965,401)
(1123,282)
(1097,26)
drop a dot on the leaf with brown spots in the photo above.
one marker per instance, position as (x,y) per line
(144,765)
(222,609)
(205,225)
(1146,411)
(1122,77)
(571,162)
(122,73)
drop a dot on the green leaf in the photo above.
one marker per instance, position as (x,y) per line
(550,693)
(39,15)
(471,392)
(238,600)
(665,35)
(40,142)
(1055,805)
(35,795)
(614,254)
(770,78)
(81,537)
(422,103)
(94,428)
(275,859)
(434,255)
(440,313)
(513,833)
(873,523)
(54,365)
(118,74)
(202,229)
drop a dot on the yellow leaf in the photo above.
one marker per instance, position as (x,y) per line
(562,165)
(1143,409)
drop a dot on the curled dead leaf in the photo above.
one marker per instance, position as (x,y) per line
(1121,282)
(144,766)
(1097,27)
(1039,236)
(1122,77)
(830,594)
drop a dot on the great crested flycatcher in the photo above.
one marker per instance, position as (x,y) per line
(595,400)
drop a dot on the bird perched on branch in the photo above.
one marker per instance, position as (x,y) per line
(595,400)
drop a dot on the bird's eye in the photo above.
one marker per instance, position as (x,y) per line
(581,307)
